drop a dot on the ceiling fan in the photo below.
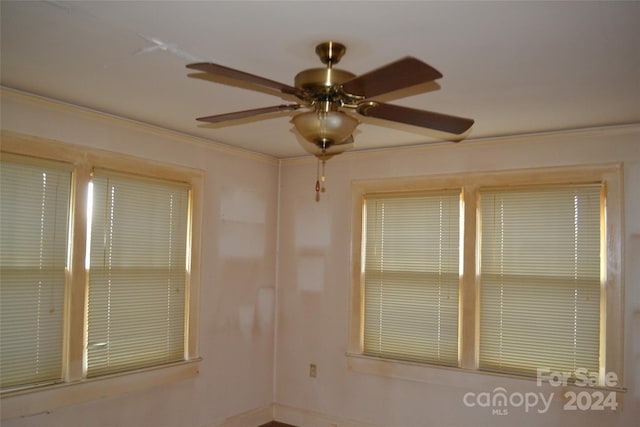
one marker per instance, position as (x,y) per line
(328,91)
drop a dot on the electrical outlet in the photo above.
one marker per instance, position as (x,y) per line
(313,370)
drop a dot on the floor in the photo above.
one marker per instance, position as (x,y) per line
(276,424)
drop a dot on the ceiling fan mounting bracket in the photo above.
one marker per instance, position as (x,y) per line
(364,107)
(330,52)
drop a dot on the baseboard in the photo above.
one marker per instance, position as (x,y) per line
(302,417)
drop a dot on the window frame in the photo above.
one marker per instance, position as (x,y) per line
(75,387)
(612,292)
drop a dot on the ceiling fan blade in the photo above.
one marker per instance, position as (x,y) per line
(397,75)
(221,70)
(248,113)
(411,116)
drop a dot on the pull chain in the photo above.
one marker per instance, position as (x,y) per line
(318,178)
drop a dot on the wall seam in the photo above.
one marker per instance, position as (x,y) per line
(274,380)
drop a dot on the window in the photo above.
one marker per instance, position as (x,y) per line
(34,223)
(511,272)
(540,279)
(96,267)
(138,249)
(411,277)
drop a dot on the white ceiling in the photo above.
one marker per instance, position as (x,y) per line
(515,67)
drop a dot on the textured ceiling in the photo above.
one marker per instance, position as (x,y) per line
(514,67)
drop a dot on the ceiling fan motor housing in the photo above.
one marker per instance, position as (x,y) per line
(321,81)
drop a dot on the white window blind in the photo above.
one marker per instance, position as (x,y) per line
(138,262)
(34,221)
(540,279)
(411,276)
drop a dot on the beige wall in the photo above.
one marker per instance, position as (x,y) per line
(314,288)
(248,246)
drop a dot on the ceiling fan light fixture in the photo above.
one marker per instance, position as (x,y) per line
(325,128)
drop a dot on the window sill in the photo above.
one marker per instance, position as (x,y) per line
(43,399)
(458,377)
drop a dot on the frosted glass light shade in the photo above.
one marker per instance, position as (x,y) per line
(331,127)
